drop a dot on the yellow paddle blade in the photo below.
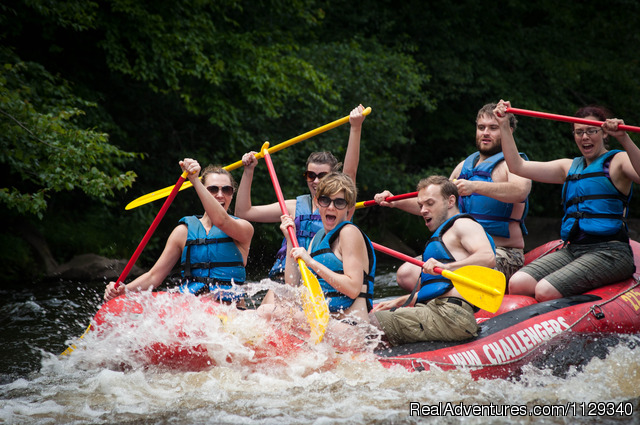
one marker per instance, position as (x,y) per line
(315,306)
(481,286)
(72,347)
(154,196)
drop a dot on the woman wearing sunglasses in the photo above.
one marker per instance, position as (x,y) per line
(596,195)
(342,258)
(302,208)
(212,248)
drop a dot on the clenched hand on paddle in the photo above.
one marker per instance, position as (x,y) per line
(481,286)
(315,306)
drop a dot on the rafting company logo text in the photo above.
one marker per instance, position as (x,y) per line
(514,345)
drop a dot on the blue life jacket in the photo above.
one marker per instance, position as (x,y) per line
(307,223)
(432,286)
(592,204)
(492,214)
(321,252)
(210,262)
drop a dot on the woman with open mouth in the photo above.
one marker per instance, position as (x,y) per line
(595,197)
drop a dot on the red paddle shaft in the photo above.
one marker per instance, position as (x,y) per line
(565,118)
(401,256)
(391,198)
(152,229)
(279,195)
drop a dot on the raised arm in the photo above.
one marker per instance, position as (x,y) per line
(545,172)
(352,157)
(240,230)
(269,213)
(630,165)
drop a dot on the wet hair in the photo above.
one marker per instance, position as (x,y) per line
(487,110)
(324,158)
(333,183)
(216,169)
(447,187)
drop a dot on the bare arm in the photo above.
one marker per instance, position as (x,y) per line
(291,271)
(506,187)
(160,270)
(352,157)
(355,261)
(469,244)
(241,231)
(407,205)
(269,213)
(545,172)
(629,166)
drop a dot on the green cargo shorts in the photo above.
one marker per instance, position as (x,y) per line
(438,320)
(579,268)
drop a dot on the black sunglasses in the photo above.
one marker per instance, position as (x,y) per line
(339,203)
(311,176)
(226,190)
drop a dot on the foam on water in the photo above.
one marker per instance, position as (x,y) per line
(106,380)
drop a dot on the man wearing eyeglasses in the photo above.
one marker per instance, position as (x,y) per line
(489,192)
(302,208)
(212,248)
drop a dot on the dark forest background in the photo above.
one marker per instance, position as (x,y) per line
(99,100)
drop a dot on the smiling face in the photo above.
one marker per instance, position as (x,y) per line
(488,139)
(591,145)
(220,180)
(435,208)
(317,169)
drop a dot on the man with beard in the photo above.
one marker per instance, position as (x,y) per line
(489,192)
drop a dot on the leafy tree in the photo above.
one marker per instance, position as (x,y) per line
(213,80)
(43,147)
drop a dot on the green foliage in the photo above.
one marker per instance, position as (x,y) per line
(42,147)
(213,80)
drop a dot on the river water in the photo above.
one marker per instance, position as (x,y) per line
(318,386)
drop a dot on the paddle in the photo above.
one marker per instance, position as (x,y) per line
(481,286)
(159,194)
(315,307)
(142,244)
(566,118)
(372,202)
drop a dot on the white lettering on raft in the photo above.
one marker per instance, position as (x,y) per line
(519,343)
(469,357)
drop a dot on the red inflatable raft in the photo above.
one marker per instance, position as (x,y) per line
(184,332)
(557,333)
